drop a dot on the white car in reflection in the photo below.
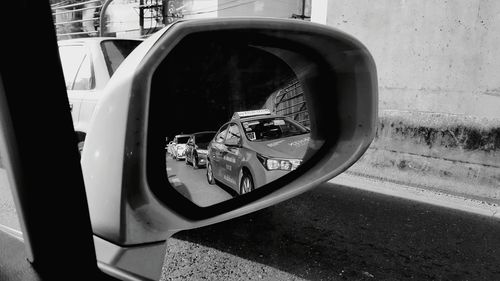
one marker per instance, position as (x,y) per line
(178,146)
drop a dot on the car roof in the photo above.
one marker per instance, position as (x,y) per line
(204,132)
(267,116)
(183,135)
(94,40)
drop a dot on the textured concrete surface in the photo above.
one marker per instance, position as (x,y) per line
(452,153)
(431,55)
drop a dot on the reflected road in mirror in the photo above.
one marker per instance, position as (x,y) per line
(193,185)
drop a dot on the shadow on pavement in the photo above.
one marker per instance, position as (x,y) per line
(181,188)
(339,233)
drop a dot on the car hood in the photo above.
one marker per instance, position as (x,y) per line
(293,147)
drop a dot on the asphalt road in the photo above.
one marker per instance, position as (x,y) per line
(8,215)
(193,184)
(336,232)
(332,232)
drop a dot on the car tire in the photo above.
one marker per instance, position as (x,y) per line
(194,161)
(246,183)
(210,173)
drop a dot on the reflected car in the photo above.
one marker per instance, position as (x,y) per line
(179,146)
(196,148)
(168,147)
(255,148)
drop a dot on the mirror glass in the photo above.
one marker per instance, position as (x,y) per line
(238,117)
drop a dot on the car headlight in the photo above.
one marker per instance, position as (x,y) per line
(271,163)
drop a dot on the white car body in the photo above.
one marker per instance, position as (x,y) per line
(86,72)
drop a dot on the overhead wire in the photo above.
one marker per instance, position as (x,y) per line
(222,9)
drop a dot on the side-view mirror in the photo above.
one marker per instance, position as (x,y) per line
(301,96)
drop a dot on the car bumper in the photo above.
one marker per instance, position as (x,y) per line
(261,176)
(202,159)
(180,155)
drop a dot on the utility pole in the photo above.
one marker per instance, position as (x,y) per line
(141,16)
(303,15)
(165,9)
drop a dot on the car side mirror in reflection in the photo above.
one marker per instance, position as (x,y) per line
(233,143)
(275,107)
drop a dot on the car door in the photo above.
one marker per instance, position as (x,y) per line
(232,159)
(217,148)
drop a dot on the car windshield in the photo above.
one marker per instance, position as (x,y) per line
(204,139)
(115,51)
(271,129)
(183,139)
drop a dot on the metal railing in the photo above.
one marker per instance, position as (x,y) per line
(80,18)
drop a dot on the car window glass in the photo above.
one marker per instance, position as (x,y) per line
(115,51)
(233,134)
(221,135)
(84,78)
(183,139)
(71,60)
(272,128)
(204,138)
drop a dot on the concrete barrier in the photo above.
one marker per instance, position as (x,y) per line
(452,153)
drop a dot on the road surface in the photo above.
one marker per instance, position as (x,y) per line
(336,232)
(332,232)
(192,184)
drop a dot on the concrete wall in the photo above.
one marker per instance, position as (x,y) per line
(432,55)
(439,91)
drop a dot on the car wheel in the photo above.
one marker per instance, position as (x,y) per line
(246,183)
(194,161)
(210,173)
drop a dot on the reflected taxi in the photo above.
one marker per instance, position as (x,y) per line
(255,148)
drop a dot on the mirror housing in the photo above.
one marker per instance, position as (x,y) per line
(120,169)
